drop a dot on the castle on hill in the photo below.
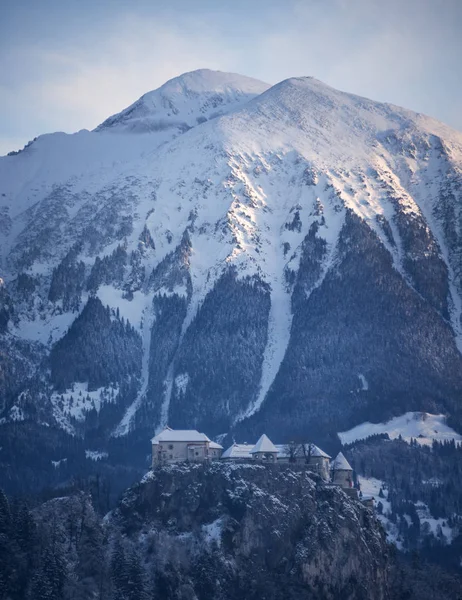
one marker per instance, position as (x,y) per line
(182,445)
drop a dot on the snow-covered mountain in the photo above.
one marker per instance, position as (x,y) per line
(284,259)
(186,101)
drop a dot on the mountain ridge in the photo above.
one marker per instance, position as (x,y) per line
(196,96)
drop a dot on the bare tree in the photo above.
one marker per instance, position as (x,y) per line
(292,450)
(307,449)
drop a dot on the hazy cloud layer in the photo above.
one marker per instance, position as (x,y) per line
(69,65)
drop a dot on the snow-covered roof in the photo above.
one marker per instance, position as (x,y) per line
(367,497)
(238,451)
(179,435)
(316,451)
(264,444)
(215,446)
(340,463)
(284,451)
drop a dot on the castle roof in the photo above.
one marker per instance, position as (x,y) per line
(238,451)
(316,451)
(340,463)
(264,444)
(215,446)
(180,435)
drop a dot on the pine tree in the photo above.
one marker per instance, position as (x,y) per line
(135,589)
(49,580)
(5,514)
(118,571)
(7,563)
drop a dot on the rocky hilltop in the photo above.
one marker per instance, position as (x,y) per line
(230,531)
(226,532)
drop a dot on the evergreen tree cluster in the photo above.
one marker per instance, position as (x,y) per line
(55,553)
(170,312)
(361,317)
(173,271)
(222,355)
(19,549)
(415,474)
(98,348)
(109,270)
(67,281)
(6,307)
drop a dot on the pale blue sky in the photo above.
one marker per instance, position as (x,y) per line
(66,65)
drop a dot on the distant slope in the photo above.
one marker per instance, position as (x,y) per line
(422,427)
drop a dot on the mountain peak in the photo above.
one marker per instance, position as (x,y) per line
(185,101)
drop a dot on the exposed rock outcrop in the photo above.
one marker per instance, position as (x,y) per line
(249,531)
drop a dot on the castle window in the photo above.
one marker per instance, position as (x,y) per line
(170,446)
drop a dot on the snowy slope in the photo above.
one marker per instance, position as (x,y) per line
(186,101)
(422,427)
(248,173)
(370,486)
(86,161)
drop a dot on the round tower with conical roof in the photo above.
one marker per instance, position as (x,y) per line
(341,472)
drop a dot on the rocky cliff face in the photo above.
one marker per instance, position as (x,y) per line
(231,531)
(226,532)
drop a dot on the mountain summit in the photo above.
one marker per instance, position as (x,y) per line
(283,259)
(186,101)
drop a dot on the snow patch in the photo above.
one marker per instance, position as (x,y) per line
(423,427)
(74,403)
(371,486)
(439,528)
(95,455)
(44,328)
(181,382)
(130,310)
(16,413)
(213,531)
(364,383)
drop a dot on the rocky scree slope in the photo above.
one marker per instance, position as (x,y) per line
(291,264)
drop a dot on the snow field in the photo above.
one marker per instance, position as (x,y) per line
(423,427)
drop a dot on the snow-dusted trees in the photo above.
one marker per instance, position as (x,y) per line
(97,349)
(108,270)
(222,352)
(67,281)
(127,574)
